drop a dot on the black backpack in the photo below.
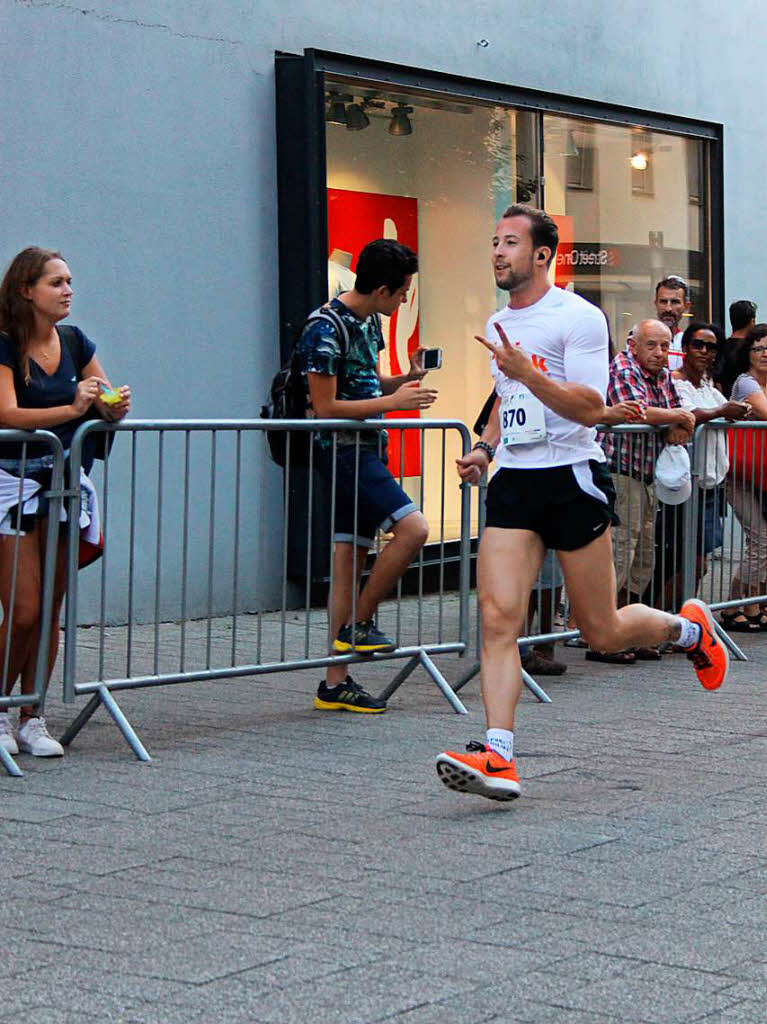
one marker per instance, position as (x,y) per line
(288,397)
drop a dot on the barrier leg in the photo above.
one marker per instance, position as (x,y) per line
(728,642)
(80,720)
(123,724)
(466,677)
(538,692)
(442,683)
(9,764)
(105,697)
(400,678)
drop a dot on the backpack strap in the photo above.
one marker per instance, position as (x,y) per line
(329,314)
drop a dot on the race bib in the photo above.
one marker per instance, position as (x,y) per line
(522,418)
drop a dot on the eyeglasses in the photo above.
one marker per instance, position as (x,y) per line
(709,346)
(759,350)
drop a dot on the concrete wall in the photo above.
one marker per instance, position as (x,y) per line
(139,138)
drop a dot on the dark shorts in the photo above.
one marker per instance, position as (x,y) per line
(381,500)
(567,506)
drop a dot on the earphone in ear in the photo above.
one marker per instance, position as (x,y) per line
(541,256)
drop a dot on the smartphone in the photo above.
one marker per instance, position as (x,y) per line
(432,359)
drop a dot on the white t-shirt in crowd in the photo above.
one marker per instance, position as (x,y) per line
(675,354)
(711,459)
(566,338)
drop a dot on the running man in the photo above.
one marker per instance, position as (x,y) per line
(549,359)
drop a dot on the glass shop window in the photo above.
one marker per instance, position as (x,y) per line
(435,174)
(631,208)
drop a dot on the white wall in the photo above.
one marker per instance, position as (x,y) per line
(138,136)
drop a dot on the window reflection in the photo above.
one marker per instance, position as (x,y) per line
(631,211)
(438,171)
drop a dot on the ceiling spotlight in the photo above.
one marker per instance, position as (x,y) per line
(356,118)
(336,112)
(400,123)
(639,161)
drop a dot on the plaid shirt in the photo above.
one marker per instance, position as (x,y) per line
(629,382)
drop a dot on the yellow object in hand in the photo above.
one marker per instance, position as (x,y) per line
(111,396)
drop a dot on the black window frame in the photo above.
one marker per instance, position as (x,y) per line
(301,161)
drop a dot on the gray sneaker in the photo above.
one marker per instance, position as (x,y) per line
(7,739)
(35,739)
(363,637)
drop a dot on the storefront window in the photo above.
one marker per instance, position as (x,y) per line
(631,210)
(436,172)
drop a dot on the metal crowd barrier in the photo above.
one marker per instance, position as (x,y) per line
(664,563)
(54,460)
(738,576)
(184,506)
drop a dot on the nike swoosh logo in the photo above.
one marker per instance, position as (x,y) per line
(495,771)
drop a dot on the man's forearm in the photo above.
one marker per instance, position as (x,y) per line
(390,384)
(658,417)
(576,402)
(354,409)
(492,433)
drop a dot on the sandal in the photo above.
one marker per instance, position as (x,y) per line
(647,653)
(612,658)
(759,620)
(738,622)
(576,641)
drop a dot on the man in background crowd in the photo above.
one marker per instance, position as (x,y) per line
(640,375)
(742,318)
(672,303)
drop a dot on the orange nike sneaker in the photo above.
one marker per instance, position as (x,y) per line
(480,770)
(710,658)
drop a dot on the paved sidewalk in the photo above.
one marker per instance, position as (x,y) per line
(277,864)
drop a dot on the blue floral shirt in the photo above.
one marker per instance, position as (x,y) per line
(319,350)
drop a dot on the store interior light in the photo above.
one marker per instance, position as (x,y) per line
(356,118)
(336,113)
(400,123)
(639,161)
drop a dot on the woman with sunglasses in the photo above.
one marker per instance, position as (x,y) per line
(701,346)
(745,485)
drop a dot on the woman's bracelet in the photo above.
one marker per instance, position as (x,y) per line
(488,449)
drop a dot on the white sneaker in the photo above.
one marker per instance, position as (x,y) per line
(35,739)
(7,739)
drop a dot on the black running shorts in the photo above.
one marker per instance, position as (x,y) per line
(567,506)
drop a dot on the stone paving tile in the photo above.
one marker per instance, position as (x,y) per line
(275,864)
(646,999)
(46,1014)
(745,1012)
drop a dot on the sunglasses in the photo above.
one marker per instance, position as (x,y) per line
(710,346)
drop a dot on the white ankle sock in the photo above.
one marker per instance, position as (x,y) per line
(689,633)
(502,742)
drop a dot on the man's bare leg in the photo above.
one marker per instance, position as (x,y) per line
(590,582)
(509,561)
(346,574)
(410,535)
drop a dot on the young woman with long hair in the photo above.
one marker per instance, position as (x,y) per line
(50,379)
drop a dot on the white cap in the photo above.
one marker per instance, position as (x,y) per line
(673,480)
